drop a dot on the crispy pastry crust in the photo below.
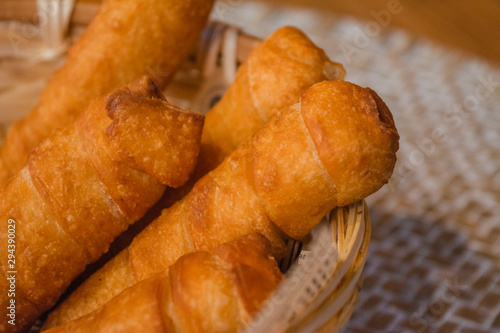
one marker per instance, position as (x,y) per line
(271,78)
(85,184)
(127,39)
(203,291)
(336,146)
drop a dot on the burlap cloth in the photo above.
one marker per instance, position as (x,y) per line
(434,260)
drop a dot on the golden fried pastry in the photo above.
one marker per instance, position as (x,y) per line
(336,146)
(127,39)
(270,79)
(216,291)
(84,185)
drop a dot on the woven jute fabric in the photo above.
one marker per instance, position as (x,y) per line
(434,260)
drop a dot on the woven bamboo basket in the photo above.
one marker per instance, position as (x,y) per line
(323,272)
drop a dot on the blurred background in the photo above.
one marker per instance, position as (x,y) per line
(434,260)
(472,26)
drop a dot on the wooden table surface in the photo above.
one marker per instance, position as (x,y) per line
(473,26)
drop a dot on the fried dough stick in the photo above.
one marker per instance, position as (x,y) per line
(127,39)
(273,76)
(84,185)
(270,79)
(336,146)
(217,291)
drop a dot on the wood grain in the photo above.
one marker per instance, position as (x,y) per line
(26,10)
(473,26)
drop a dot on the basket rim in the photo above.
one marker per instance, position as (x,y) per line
(338,298)
(335,285)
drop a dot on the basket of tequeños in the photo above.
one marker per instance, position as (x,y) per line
(235,203)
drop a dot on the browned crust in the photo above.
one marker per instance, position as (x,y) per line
(271,78)
(334,147)
(126,39)
(202,291)
(144,124)
(354,134)
(78,191)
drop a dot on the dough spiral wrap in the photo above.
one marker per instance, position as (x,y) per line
(85,184)
(216,291)
(336,146)
(272,77)
(116,48)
